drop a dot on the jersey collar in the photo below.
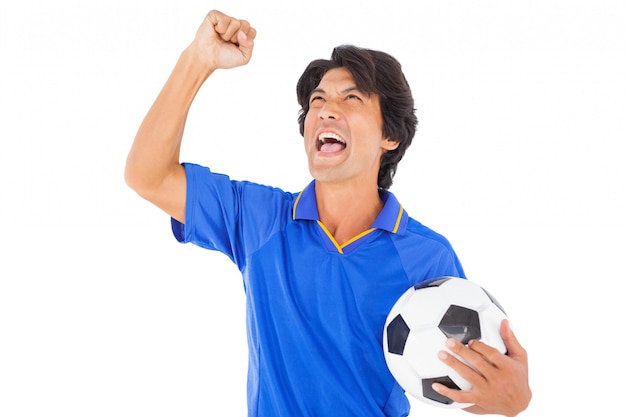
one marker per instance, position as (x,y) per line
(392,218)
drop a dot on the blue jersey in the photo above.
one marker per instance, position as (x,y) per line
(315,309)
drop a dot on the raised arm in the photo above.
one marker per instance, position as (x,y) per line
(153,168)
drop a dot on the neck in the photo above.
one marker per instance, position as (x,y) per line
(347,211)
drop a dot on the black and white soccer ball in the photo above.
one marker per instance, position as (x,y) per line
(419,324)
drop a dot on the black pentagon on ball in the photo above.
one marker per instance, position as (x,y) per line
(493,300)
(460,323)
(397,333)
(436,282)
(431,394)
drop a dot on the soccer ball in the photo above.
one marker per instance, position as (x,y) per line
(420,322)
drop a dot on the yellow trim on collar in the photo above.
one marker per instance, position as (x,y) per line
(357,237)
(330,236)
(354,239)
(295,205)
(395,228)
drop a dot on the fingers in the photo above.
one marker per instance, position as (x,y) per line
(458,396)
(474,366)
(499,382)
(483,358)
(229,28)
(245,41)
(513,346)
(223,41)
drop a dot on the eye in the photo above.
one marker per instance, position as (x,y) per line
(316,99)
(352,97)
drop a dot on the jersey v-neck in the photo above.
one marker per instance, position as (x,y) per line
(392,218)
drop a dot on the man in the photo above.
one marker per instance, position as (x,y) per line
(323,267)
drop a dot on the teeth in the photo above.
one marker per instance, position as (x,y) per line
(329,135)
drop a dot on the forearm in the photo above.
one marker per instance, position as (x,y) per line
(153,168)
(155,152)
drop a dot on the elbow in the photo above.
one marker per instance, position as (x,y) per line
(130,178)
(134,179)
(150,183)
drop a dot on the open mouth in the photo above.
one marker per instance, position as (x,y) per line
(330,142)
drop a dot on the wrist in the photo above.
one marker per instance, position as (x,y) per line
(195,63)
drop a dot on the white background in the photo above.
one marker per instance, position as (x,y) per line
(518,160)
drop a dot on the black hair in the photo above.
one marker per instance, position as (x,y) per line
(373,72)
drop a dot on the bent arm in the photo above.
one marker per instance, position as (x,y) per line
(153,168)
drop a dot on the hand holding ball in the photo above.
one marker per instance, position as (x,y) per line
(419,324)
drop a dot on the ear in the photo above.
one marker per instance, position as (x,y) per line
(389,144)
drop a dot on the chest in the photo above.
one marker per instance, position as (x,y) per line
(297,275)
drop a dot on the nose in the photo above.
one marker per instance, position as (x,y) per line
(329,111)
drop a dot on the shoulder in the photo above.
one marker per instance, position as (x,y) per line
(426,254)
(420,240)
(201,177)
(417,230)
(262,191)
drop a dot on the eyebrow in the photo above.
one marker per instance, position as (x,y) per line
(347,90)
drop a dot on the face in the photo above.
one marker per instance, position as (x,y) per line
(343,135)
